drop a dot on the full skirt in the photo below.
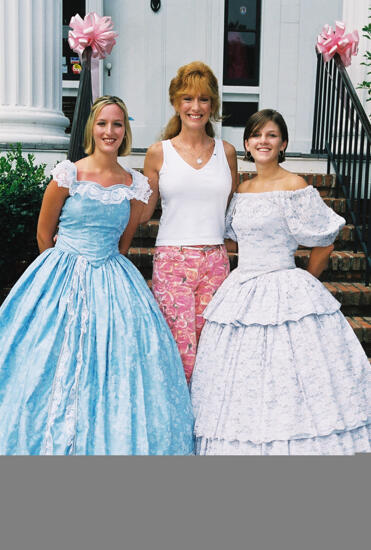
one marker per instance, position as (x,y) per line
(88,365)
(279,371)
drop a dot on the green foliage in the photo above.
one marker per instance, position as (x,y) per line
(22,185)
(366,84)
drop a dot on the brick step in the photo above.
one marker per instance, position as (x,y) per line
(351,294)
(326,184)
(362,328)
(343,265)
(146,234)
(355,298)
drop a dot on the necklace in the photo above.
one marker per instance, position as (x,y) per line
(199,159)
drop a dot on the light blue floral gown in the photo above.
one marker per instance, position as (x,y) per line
(88,365)
(278,369)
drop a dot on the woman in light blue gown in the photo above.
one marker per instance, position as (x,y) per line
(279,369)
(88,365)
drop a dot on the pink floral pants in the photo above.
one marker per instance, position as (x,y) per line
(183,283)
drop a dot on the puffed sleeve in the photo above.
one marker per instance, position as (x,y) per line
(310,220)
(141,190)
(229,232)
(64,173)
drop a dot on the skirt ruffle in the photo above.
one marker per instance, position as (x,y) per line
(269,299)
(343,443)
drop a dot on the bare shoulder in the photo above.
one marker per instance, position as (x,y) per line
(155,150)
(247,184)
(294,182)
(154,157)
(229,149)
(81,164)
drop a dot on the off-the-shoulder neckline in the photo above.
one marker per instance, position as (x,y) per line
(131,171)
(279,191)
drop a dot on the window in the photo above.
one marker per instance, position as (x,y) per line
(242,42)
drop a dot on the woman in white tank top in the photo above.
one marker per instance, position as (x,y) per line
(195,174)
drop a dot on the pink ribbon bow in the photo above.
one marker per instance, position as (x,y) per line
(94,31)
(331,41)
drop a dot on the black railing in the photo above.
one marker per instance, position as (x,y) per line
(342,130)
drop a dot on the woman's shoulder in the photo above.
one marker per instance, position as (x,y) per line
(155,149)
(293,182)
(229,148)
(154,157)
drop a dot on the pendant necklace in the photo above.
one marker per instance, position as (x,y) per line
(199,160)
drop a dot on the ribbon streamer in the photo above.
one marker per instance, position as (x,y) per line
(96,32)
(331,41)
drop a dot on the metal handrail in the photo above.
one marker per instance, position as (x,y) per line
(342,131)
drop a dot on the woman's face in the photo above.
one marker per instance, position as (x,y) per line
(266,143)
(109,129)
(194,110)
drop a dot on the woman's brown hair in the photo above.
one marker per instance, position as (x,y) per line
(193,77)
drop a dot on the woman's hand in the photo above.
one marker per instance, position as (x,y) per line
(136,211)
(53,201)
(230,245)
(318,259)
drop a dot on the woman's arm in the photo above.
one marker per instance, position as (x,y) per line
(52,204)
(231,155)
(136,211)
(152,166)
(318,259)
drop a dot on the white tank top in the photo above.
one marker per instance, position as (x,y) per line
(193,200)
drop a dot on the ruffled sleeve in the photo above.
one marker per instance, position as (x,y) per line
(141,190)
(64,173)
(311,222)
(229,232)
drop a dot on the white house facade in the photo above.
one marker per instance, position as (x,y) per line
(262,51)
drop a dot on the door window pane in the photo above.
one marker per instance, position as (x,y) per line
(70,61)
(242,42)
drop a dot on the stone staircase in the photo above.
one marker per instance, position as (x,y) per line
(343,278)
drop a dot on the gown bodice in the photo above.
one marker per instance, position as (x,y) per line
(94,217)
(269,227)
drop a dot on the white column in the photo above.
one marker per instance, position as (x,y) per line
(30,72)
(355,16)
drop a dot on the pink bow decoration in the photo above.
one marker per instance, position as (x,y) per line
(331,41)
(94,31)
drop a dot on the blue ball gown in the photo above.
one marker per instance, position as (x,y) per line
(88,365)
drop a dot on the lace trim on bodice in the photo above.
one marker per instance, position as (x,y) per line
(65,174)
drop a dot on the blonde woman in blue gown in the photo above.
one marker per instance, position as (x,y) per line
(88,365)
(279,371)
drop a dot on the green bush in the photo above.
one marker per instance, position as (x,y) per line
(22,185)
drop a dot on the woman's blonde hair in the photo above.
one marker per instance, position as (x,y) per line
(195,77)
(99,103)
